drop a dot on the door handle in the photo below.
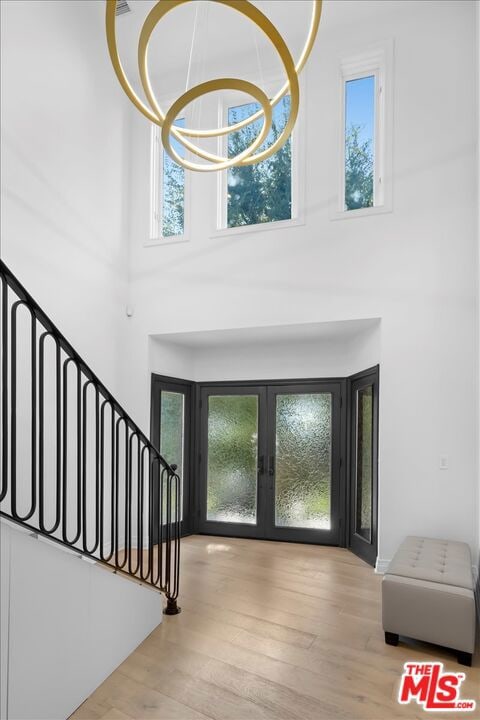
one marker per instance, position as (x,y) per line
(261,465)
(271,466)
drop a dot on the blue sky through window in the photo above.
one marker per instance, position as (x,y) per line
(359,142)
(178,147)
(360,105)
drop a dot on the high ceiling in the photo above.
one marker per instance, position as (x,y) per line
(222,34)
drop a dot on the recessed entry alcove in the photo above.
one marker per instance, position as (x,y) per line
(274,429)
(305,350)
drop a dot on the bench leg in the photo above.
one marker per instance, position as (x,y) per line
(391,638)
(465,658)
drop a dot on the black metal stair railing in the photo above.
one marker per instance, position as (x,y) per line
(75,467)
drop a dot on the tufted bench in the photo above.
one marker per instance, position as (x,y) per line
(427,594)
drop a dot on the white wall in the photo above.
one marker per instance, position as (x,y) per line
(169,358)
(477,7)
(4,622)
(65,182)
(415,268)
(65,172)
(66,625)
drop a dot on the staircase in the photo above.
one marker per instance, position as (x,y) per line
(75,468)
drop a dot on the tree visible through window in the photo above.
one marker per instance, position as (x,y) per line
(262,192)
(359,142)
(173,191)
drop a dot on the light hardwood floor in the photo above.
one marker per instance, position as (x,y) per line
(269,630)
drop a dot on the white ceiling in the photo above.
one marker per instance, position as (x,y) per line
(222,33)
(339,331)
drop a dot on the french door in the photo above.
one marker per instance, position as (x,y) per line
(269,461)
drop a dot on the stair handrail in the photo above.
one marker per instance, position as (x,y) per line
(169,480)
(70,350)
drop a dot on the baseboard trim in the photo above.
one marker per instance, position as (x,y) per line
(381,566)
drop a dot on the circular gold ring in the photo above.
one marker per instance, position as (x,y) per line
(252,13)
(203,89)
(155,114)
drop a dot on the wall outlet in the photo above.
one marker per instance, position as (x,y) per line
(444,462)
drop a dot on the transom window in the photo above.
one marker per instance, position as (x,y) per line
(268,195)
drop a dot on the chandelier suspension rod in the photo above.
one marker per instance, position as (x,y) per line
(194,33)
(257,52)
(204,20)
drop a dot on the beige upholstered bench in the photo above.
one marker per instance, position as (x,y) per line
(428,594)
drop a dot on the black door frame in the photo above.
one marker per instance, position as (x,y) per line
(192,488)
(308,535)
(367,550)
(170,384)
(209,527)
(339,384)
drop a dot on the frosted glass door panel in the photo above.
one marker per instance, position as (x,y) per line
(172,428)
(303,463)
(364,469)
(232,458)
(172,433)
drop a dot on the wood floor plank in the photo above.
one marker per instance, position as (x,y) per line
(216,701)
(114,714)
(142,702)
(269,631)
(260,611)
(283,701)
(91,709)
(324,683)
(259,607)
(289,600)
(318,587)
(263,628)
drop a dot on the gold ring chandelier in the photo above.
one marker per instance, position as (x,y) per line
(165,121)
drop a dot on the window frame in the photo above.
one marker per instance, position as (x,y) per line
(232,99)
(376,62)
(156,194)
